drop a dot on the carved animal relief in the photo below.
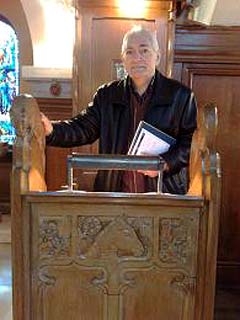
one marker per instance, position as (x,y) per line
(120,237)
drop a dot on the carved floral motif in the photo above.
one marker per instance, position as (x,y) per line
(51,241)
(175,241)
(89,227)
(183,283)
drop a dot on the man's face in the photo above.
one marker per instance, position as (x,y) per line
(139,57)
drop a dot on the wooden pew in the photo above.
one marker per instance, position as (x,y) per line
(111,256)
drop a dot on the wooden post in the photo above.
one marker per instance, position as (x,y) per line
(28,172)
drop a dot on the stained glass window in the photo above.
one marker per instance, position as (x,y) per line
(9,79)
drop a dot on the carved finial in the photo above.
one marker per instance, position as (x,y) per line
(29,148)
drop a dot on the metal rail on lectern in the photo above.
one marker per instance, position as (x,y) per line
(114,162)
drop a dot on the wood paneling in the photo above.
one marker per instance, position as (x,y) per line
(219,83)
(108,33)
(207,44)
(5,171)
(102,262)
(56,109)
(56,158)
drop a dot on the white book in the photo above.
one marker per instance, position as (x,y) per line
(150,140)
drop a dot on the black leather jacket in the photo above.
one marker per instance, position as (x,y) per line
(172,109)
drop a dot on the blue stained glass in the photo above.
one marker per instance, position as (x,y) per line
(9,79)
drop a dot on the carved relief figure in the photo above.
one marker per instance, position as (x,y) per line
(118,238)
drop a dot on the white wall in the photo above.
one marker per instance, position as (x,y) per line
(203,13)
(218,12)
(52,28)
(227,12)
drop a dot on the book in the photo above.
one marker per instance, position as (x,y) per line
(150,140)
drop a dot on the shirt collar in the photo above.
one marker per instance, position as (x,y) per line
(146,92)
(162,90)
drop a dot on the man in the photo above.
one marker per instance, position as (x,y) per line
(115,112)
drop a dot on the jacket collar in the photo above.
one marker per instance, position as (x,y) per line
(122,92)
(162,91)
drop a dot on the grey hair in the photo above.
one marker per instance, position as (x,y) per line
(139,29)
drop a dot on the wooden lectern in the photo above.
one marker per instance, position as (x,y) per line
(112,256)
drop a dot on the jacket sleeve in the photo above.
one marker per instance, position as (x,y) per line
(177,156)
(79,130)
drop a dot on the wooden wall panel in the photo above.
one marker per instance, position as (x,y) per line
(108,33)
(207,44)
(208,61)
(5,171)
(56,158)
(222,87)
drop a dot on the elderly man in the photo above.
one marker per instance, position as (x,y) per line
(119,106)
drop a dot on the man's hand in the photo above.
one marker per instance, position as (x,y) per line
(153,174)
(47,125)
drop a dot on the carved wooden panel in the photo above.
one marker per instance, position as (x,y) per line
(121,237)
(113,257)
(169,303)
(175,242)
(69,292)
